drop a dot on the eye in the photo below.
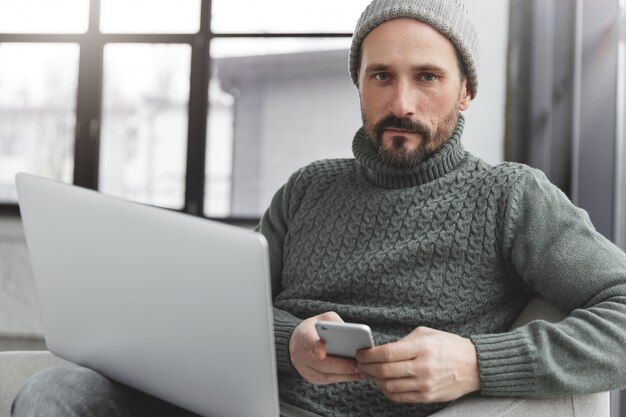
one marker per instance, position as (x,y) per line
(428,77)
(381,76)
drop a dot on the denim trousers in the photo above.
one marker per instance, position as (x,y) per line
(73,391)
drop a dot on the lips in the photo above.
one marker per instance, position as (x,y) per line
(396,130)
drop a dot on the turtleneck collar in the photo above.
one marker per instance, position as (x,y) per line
(438,164)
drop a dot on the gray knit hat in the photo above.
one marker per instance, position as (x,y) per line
(450,17)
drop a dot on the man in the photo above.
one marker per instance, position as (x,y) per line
(432,248)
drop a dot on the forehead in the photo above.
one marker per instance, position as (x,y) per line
(407,38)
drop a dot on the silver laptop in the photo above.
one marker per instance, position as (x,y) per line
(173,305)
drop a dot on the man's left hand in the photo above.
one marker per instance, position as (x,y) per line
(426,366)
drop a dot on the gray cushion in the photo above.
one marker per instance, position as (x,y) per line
(15,368)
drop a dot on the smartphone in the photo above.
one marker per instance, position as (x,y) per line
(344,339)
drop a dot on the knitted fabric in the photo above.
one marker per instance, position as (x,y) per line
(455,245)
(450,17)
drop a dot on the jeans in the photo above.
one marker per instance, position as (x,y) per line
(73,391)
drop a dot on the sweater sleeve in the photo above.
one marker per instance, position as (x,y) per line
(274,226)
(554,248)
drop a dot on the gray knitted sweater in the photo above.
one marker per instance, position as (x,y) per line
(455,245)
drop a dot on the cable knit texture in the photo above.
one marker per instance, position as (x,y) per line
(453,244)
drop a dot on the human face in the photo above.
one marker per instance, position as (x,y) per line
(410,89)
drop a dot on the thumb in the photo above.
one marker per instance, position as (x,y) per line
(319,350)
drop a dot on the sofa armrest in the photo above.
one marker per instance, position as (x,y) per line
(591,405)
(15,368)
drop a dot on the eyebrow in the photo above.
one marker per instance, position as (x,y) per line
(421,68)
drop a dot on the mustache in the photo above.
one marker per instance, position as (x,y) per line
(404,123)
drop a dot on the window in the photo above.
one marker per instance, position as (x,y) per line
(169,103)
(150,16)
(276,105)
(286,16)
(44,16)
(144,122)
(278,100)
(37,99)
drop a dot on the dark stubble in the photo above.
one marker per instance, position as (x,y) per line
(398,155)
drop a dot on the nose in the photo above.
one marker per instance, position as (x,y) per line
(402,103)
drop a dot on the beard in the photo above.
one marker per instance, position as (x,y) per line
(398,155)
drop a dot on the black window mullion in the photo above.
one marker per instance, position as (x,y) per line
(89,103)
(198,112)
(279,35)
(147,38)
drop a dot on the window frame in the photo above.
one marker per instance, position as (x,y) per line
(90,95)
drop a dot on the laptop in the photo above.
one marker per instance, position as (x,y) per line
(173,305)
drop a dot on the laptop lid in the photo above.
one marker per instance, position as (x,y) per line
(173,305)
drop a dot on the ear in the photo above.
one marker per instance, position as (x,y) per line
(465,95)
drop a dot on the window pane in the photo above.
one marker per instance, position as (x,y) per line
(37,112)
(150,16)
(44,16)
(144,124)
(271,114)
(286,16)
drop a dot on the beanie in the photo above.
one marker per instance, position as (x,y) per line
(449,17)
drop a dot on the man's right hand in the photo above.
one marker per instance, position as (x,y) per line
(309,357)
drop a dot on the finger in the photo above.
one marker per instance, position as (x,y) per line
(319,350)
(388,370)
(330,316)
(311,339)
(312,344)
(333,378)
(324,378)
(335,365)
(398,385)
(412,397)
(402,350)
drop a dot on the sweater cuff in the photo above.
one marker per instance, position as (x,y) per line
(284,325)
(507,364)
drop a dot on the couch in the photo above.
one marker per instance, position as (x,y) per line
(15,367)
